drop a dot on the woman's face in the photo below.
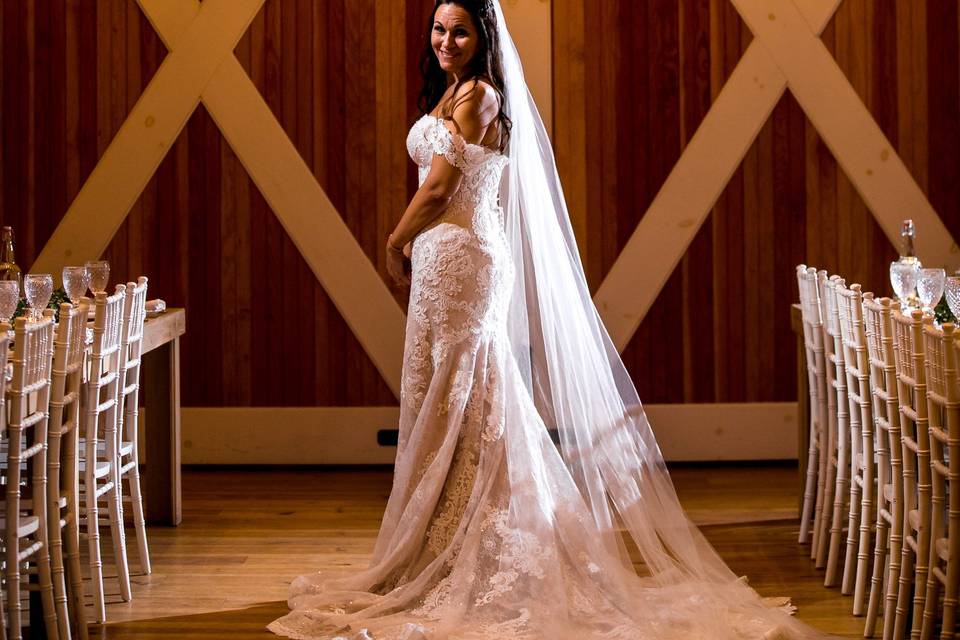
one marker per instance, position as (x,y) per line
(454,38)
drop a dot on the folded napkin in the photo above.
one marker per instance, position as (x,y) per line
(156,306)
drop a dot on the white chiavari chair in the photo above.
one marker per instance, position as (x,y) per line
(100,420)
(861,513)
(943,404)
(131,347)
(889,514)
(812,509)
(915,440)
(63,470)
(837,481)
(25,526)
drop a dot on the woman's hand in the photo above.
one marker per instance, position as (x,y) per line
(396,264)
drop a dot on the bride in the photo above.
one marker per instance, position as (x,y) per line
(490,531)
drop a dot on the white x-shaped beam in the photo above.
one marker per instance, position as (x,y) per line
(786,51)
(201,66)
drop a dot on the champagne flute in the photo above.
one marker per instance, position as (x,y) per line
(75,283)
(930,288)
(39,289)
(9,298)
(903,277)
(953,295)
(99,275)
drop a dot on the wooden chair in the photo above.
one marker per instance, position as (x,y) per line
(837,481)
(943,405)
(128,460)
(812,509)
(63,470)
(861,513)
(914,436)
(889,515)
(25,525)
(100,420)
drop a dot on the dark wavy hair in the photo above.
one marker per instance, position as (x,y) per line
(485,65)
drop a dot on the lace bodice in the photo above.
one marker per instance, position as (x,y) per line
(475,205)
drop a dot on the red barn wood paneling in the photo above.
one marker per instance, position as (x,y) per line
(632,82)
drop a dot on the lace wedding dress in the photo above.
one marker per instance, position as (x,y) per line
(486,534)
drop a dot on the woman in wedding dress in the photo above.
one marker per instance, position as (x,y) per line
(491,531)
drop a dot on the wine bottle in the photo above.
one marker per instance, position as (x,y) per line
(907,234)
(8,263)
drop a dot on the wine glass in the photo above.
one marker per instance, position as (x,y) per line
(75,283)
(99,275)
(39,289)
(953,295)
(9,298)
(903,277)
(930,287)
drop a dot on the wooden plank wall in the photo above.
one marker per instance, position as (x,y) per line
(342,79)
(335,75)
(720,331)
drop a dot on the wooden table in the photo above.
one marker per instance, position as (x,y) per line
(803,396)
(161,396)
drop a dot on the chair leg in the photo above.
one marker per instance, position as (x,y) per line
(809,490)
(826,521)
(920,583)
(72,544)
(818,509)
(43,553)
(55,443)
(139,521)
(13,585)
(903,592)
(930,606)
(894,572)
(71,540)
(853,528)
(118,537)
(836,526)
(57,573)
(96,562)
(948,626)
(876,578)
(867,518)
(46,593)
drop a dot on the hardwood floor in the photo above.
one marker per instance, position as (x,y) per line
(224,572)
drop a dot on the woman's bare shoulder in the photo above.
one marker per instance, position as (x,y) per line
(478,95)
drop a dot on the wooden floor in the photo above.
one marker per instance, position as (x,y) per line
(224,572)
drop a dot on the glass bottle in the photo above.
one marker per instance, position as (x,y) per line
(8,263)
(908,254)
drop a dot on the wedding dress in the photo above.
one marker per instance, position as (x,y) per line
(491,531)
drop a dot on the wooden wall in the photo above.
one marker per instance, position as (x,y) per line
(720,330)
(341,77)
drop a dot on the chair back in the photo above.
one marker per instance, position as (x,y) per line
(943,414)
(912,396)
(878,317)
(131,349)
(101,416)
(810,305)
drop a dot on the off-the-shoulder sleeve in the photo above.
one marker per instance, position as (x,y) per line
(447,143)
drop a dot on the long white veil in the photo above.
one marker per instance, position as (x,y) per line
(577,379)
(489,531)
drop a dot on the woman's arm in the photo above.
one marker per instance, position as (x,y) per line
(473,113)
